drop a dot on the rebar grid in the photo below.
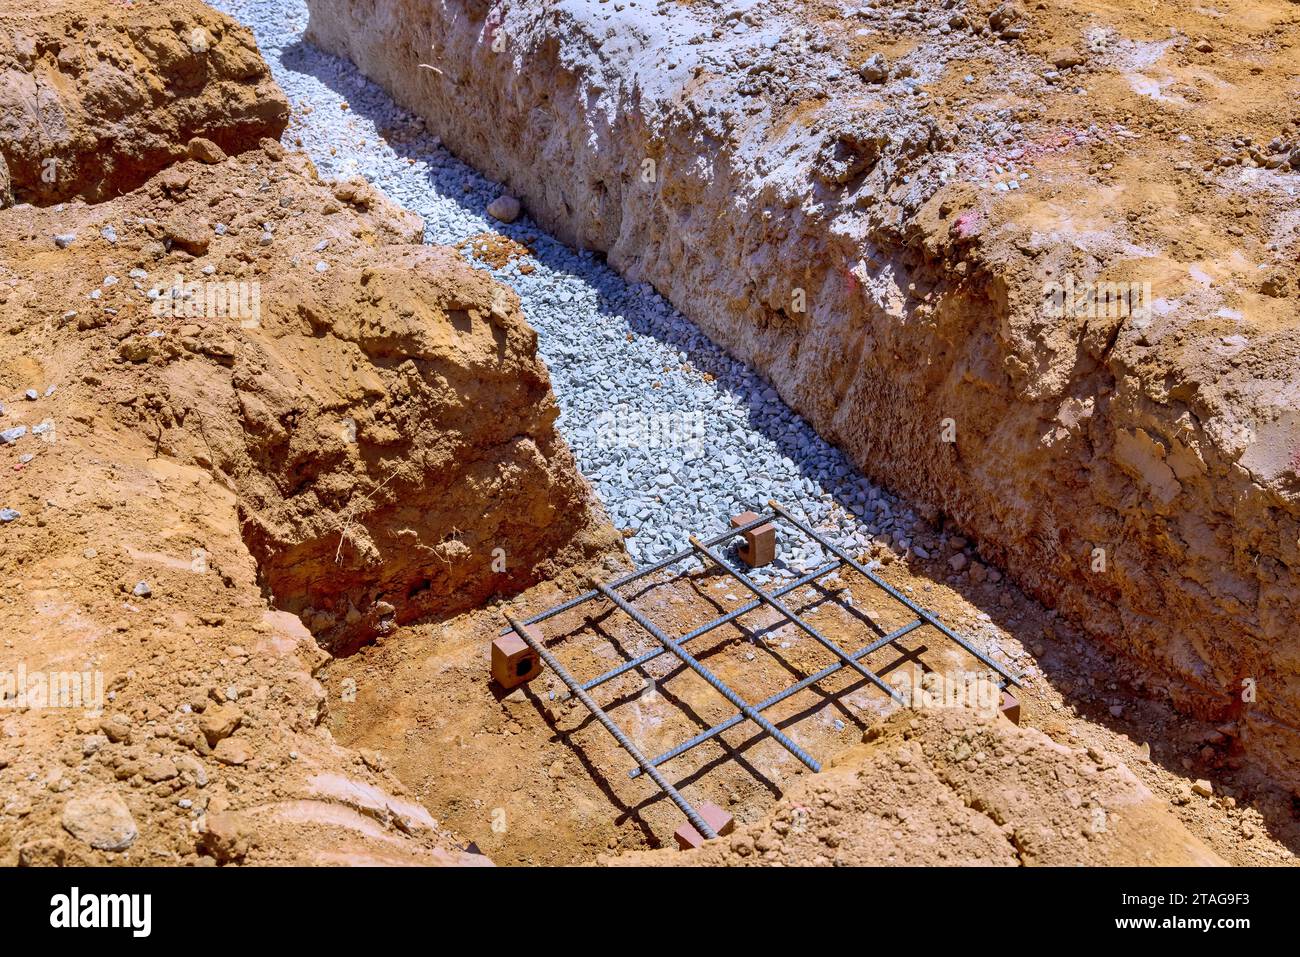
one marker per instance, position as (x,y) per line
(780,696)
(714,681)
(676,647)
(632,576)
(890,590)
(704,629)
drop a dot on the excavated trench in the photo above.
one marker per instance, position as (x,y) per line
(533,779)
(828,242)
(382,534)
(876,328)
(832,259)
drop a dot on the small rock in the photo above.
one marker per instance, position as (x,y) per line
(219,722)
(226,836)
(232,751)
(31,395)
(504,208)
(116,729)
(10,436)
(206,151)
(142,590)
(874,69)
(159,768)
(194,768)
(41,852)
(1003,17)
(8,515)
(957,562)
(188,233)
(137,349)
(101,820)
(1203,787)
(64,240)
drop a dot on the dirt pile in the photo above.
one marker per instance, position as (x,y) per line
(883,208)
(377,407)
(954,787)
(96,96)
(234,388)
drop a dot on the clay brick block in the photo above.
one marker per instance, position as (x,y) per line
(760,543)
(513,662)
(718,819)
(1010,707)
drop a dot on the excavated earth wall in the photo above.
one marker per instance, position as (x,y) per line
(96,97)
(869,205)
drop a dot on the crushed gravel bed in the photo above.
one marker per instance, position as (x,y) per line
(674,434)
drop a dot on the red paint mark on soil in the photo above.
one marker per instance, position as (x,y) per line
(967,224)
(850,280)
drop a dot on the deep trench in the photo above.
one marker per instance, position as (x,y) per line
(612,312)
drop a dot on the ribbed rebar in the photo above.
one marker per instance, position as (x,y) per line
(808,629)
(642,572)
(709,626)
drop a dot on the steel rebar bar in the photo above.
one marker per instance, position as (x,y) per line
(808,629)
(777,698)
(709,626)
(632,576)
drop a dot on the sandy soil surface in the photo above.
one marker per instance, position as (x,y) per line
(236,404)
(96,96)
